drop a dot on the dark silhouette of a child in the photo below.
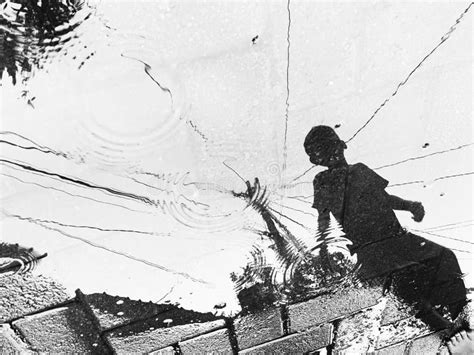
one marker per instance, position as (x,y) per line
(355,195)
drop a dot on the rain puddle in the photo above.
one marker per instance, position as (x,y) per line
(154,150)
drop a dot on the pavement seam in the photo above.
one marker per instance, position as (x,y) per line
(20,336)
(335,328)
(81,300)
(229,322)
(46,309)
(285,319)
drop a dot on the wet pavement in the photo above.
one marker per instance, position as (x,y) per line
(132,134)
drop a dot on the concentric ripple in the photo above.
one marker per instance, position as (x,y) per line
(37,33)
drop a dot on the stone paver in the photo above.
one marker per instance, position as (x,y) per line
(258,328)
(397,349)
(113,311)
(22,294)
(213,343)
(310,340)
(64,329)
(326,308)
(166,351)
(162,331)
(10,343)
(428,344)
(403,330)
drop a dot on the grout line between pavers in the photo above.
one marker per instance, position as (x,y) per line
(206,332)
(229,322)
(408,346)
(132,322)
(90,314)
(335,329)
(21,336)
(46,309)
(177,349)
(285,320)
(336,319)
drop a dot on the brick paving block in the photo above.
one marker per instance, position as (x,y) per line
(258,328)
(428,344)
(114,311)
(161,331)
(166,351)
(21,294)
(10,343)
(397,349)
(358,333)
(403,330)
(328,307)
(312,339)
(215,342)
(64,329)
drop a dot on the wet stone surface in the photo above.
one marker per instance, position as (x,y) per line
(162,331)
(359,333)
(113,311)
(166,351)
(26,293)
(310,340)
(215,342)
(10,343)
(429,344)
(401,331)
(329,307)
(64,329)
(396,349)
(254,329)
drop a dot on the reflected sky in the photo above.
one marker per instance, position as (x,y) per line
(127,128)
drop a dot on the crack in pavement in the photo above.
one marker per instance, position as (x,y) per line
(444,38)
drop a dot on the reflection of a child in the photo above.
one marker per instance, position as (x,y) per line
(355,195)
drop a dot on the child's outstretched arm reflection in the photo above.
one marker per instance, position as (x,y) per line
(416,208)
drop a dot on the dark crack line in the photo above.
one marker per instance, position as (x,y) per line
(166,294)
(443,236)
(167,177)
(195,203)
(387,165)
(448,225)
(100,228)
(234,171)
(301,175)
(147,185)
(37,146)
(197,130)
(287,103)
(424,156)
(113,251)
(72,195)
(437,179)
(451,228)
(147,71)
(83,183)
(294,209)
(290,219)
(444,38)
